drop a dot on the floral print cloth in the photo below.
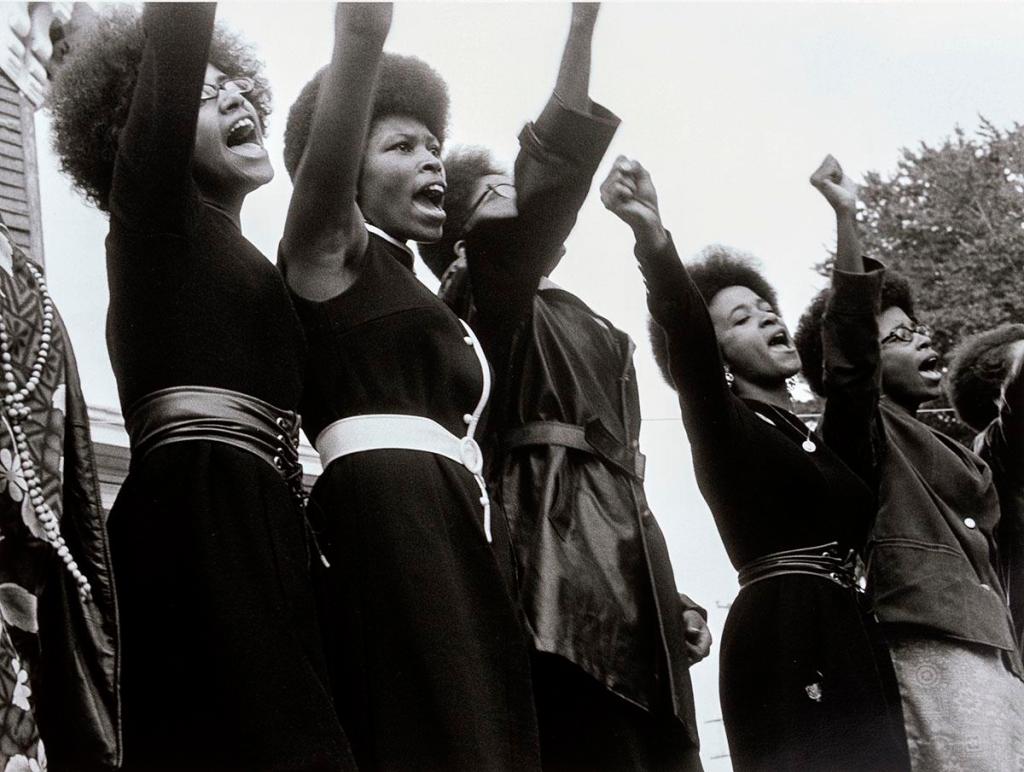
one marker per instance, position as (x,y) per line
(963,709)
(25,556)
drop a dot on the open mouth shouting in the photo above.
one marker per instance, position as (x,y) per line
(780,341)
(430,200)
(930,369)
(243,137)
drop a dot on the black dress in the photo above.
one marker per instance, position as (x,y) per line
(428,658)
(222,665)
(801,686)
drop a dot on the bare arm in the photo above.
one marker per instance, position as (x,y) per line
(841,193)
(559,154)
(573,84)
(580,146)
(324,233)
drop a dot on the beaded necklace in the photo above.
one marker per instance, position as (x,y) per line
(16,411)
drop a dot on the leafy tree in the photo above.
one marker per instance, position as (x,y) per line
(951,218)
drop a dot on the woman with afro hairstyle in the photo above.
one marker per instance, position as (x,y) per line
(932,579)
(222,665)
(428,658)
(985,383)
(801,685)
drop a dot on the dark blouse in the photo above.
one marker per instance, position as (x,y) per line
(192,302)
(765,491)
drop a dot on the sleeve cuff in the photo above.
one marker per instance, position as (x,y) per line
(854,293)
(571,133)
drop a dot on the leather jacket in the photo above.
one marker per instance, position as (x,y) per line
(596,580)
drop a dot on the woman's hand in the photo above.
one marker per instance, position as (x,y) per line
(628,193)
(698,637)
(837,188)
(841,193)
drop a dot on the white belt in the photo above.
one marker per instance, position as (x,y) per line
(403,432)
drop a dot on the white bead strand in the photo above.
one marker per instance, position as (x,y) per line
(17,411)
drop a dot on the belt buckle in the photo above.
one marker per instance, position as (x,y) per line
(471,455)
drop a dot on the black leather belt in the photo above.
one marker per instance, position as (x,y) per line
(827,561)
(592,438)
(186,413)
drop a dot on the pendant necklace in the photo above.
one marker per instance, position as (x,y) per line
(808,444)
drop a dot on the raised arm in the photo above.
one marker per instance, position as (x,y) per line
(841,193)
(677,307)
(573,84)
(152,188)
(324,235)
(852,364)
(561,150)
(558,157)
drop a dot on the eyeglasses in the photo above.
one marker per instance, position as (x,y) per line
(502,189)
(231,86)
(905,334)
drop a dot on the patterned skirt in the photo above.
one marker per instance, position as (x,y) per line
(962,708)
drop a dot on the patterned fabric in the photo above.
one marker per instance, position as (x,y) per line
(25,557)
(964,711)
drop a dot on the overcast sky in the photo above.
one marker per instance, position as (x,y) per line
(731,107)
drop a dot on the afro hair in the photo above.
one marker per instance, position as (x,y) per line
(92,91)
(463,166)
(714,268)
(977,371)
(895,293)
(405,86)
